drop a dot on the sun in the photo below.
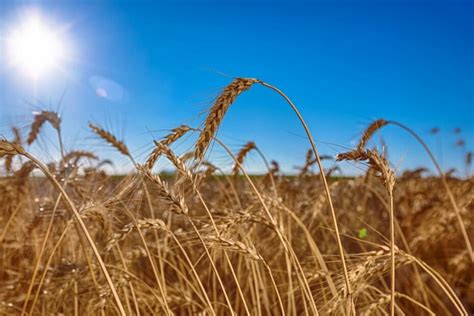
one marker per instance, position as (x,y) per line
(34,48)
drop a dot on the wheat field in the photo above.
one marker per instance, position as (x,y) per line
(76,240)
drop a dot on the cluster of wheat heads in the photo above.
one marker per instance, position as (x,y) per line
(76,240)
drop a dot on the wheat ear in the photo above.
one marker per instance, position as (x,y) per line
(111,139)
(241,156)
(217,112)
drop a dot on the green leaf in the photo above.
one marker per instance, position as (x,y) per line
(363,232)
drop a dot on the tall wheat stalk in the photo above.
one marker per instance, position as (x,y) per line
(326,188)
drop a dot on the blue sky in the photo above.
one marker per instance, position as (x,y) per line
(344,64)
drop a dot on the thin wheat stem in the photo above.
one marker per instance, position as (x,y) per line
(392,257)
(323,178)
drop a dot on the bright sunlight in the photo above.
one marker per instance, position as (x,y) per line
(34,48)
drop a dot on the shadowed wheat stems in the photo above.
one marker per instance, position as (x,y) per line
(284,241)
(123,149)
(186,173)
(179,207)
(7,148)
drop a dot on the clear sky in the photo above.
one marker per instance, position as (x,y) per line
(144,67)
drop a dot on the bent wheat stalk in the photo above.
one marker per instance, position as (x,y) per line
(445,184)
(241,156)
(381,123)
(326,187)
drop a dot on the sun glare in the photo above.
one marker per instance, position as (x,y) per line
(34,48)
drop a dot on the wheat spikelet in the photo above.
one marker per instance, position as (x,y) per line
(233,245)
(241,156)
(175,202)
(16,140)
(356,155)
(176,133)
(111,139)
(414,174)
(332,170)
(17,135)
(75,155)
(380,164)
(8,163)
(210,168)
(40,118)
(163,149)
(151,223)
(25,170)
(275,167)
(217,112)
(373,264)
(7,148)
(376,125)
(104,163)
(308,163)
(380,303)
(376,162)
(147,223)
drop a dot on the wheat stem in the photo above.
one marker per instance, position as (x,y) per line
(323,178)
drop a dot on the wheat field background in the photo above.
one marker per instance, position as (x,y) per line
(77,240)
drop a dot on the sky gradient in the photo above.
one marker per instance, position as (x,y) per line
(141,68)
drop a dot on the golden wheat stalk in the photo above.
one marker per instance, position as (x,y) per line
(8,148)
(176,133)
(76,155)
(16,140)
(348,292)
(175,201)
(111,139)
(381,165)
(40,118)
(217,112)
(370,131)
(241,156)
